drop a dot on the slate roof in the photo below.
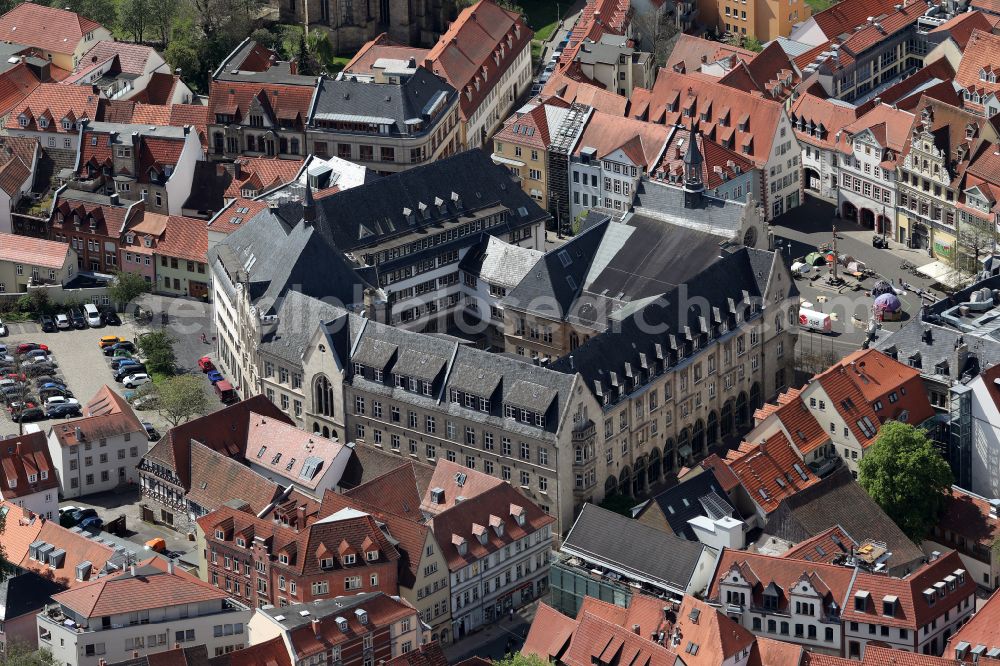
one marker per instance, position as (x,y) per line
(606,360)
(298,317)
(839,500)
(411,99)
(665,202)
(909,344)
(49,28)
(611,265)
(624,545)
(499,263)
(686,500)
(25,593)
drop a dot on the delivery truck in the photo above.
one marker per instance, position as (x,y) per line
(814,321)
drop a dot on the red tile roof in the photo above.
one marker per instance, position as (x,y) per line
(464,55)
(224,223)
(865,377)
(132,58)
(716,465)
(960,27)
(105,415)
(845,16)
(967,515)
(262,174)
(456,481)
(818,659)
(217,478)
(770,652)
(15,85)
(718,164)
(597,640)
(269,653)
(151,586)
(826,546)
(881,655)
(528,129)
(767,471)
(382,610)
(980,59)
(912,610)
(643,142)
(904,95)
(831,581)
(395,491)
(570,88)
(428,654)
(280,101)
(22,529)
(176,115)
(283,449)
(185,238)
(17,157)
(890,126)
(769,72)
(22,457)
(673,93)
(550,632)
(44,27)
(383,46)
(690,52)
(822,120)
(160,89)
(56,102)
(109,220)
(983,628)
(481,515)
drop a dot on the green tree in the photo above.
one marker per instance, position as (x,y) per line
(103,11)
(266,38)
(133,17)
(126,287)
(305,60)
(161,18)
(619,504)
(753,44)
(906,476)
(185,57)
(20,654)
(519,659)
(158,349)
(180,398)
(320,49)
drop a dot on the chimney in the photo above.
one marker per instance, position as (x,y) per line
(79,434)
(132,569)
(315,627)
(308,205)
(928,336)
(170,565)
(113,199)
(636,629)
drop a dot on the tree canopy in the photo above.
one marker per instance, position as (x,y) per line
(126,287)
(158,349)
(906,476)
(518,659)
(180,398)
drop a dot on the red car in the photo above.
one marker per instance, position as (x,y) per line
(16,377)
(205,363)
(26,347)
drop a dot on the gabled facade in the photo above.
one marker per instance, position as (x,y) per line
(61,36)
(29,477)
(53,114)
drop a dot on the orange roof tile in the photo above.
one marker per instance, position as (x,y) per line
(772,471)
(819,121)
(17,157)
(550,632)
(606,133)
(770,652)
(151,586)
(826,546)
(234,215)
(881,655)
(819,659)
(284,450)
(673,93)
(967,515)
(23,457)
(382,46)
(912,610)
(456,481)
(185,238)
(983,628)
(56,102)
(289,102)
(769,72)
(846,15)
(105,415)
(961,26)
(395,491)
(690,52)
(614,645)
(44,27)
(464,54)
(266,172)
(16,84)
(980,59)
(718,164)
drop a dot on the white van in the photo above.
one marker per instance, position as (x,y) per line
(92,314)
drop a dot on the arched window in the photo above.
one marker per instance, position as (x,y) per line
(698,438)
(323,396)
(653,471)
(625,482)
(793,317)
(755,398)
(609,485)
(741,409)
(574,341)
(777,323)
(712,431)
(727,418)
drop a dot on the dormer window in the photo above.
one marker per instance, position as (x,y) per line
(350,558)
(220,535)
(43,122)
(241,542)
(22,120)
(283,558)
(66,125)
(326,563)
(129,238)
(371,555)
(147,241)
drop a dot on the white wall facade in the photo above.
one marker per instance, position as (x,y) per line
(179,186)
(499,103)
(42,503)
(98,466)
(985,441)
(783,171)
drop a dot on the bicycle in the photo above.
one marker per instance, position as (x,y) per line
(906,266)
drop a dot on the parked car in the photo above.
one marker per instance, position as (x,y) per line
(66,516)
(121,353)
(81,514)
(61,400)
(39,369)
(42,380)
(123,345)
(110,317)
(10,393)
(94,524)
(136,380)
(46,393)
(108,341)
(54,384)
(42,358)
(157,545)
(126,370)
(25,347)
(226,393)
(35,353)
(63,411)
(62,321)
(215,376)
(47,323)
(77,319)
(119,362)
(205,364)
(151,432)
(3,329)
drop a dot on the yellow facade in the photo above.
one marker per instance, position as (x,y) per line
(764,20)
(529,164)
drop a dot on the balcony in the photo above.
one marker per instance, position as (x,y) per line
(584,431)
(825,466)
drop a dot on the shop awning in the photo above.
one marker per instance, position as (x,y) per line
(941,272)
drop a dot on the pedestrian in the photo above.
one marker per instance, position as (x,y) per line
(511,614)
